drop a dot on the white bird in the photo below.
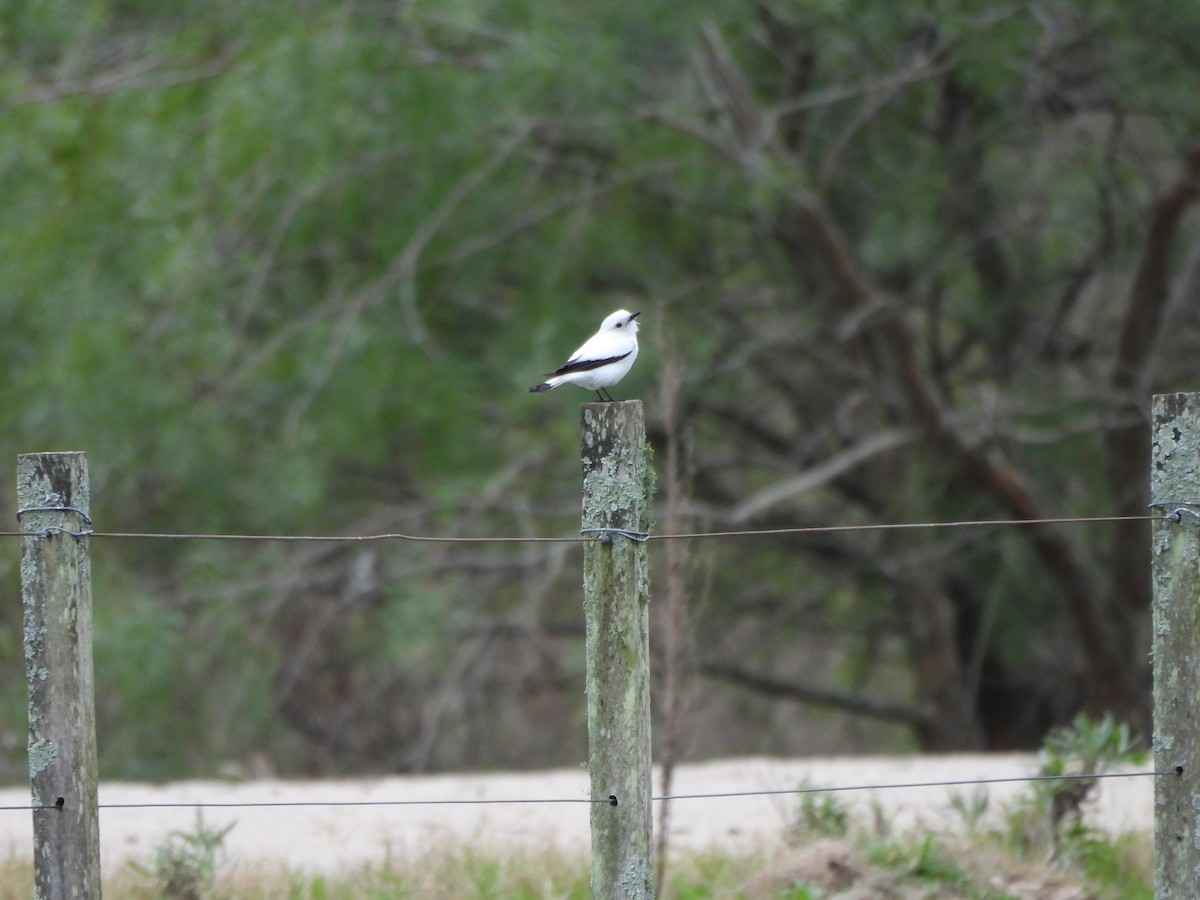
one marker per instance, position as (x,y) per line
(603,360)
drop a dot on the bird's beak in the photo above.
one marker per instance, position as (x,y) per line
(635,315)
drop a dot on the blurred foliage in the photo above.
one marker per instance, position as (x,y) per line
(1053,813)
(289,268)
(186,865)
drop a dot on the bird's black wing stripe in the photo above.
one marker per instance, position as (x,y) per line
(585,365)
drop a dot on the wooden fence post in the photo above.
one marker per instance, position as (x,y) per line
(617,487)
(52,500)
(1175,492)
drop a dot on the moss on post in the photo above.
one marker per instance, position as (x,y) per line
(617,487)
(53,499)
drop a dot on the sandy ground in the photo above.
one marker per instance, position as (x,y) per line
(327,838)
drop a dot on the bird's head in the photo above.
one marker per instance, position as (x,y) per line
(621,321)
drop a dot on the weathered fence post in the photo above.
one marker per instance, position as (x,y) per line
(617,486)
(52,501)
(1175,492)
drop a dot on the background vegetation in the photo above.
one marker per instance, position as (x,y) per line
(291,267)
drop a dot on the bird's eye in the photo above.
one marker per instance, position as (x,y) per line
(620,324)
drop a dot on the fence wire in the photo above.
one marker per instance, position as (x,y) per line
(581,538)
(607,801)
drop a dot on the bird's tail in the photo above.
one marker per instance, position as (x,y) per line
(541,388)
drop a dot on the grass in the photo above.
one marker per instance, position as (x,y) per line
(458,873)
(983,865)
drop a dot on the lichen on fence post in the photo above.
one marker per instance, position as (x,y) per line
(53,500)
(617,489)
(1175,491)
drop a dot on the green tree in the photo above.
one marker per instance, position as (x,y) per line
(291,269)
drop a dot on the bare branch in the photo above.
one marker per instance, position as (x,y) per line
(404,269)
(1150,292)
(840,700)
(843,93)
(1126,444)
(149,74)
(402,272)
(884,92)
(729,90)
(300,199)
(819,475)
(535,215)
(672,615)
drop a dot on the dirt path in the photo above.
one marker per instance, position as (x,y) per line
(331,837)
